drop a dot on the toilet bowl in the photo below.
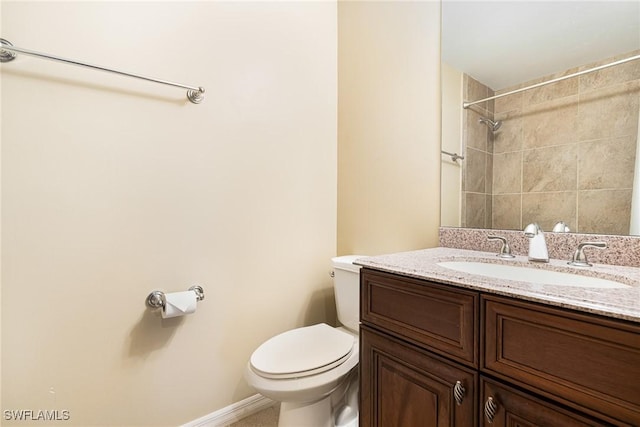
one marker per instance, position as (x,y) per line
(318,386)
(313,371)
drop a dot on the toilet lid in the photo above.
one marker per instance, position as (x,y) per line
(302,352)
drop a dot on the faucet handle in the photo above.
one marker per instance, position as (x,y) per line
(561,227)
(579,258)
(505,250)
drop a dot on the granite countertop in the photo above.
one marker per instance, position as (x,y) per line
(621,303)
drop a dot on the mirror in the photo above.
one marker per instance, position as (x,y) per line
(560,152)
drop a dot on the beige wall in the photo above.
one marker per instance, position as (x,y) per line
(114,187)
(388,126)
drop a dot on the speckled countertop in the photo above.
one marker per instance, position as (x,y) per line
(621,303)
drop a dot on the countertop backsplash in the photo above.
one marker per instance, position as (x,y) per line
(621,250)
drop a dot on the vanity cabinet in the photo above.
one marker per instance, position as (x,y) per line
(408,386)
(438,355)
(418,353)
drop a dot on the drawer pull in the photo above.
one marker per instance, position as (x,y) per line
(458,392)
(490,408)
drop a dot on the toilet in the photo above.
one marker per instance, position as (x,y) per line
(313,371)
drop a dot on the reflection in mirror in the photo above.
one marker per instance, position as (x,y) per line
(560,152)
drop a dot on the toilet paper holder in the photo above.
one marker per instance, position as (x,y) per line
(157,299)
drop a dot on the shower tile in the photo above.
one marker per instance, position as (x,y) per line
(550,169)
(622,73)
(510,102)
(552,91)
(491,105)
(604,211)
(463,209)
(609,112)
(488,212)
(606,163)
(476,208)
(488,186)
(509,137)
(475,171)
(507,212)
(476,133)
(463,175)
(474,90)
(548,208)
(597,126)
(507,173)
(490,142)
(550,123)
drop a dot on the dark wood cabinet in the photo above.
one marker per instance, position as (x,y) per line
(505,406)
(438,317)
(587,362)
(515,363)
(408,386)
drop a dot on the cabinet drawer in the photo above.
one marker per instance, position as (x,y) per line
(570,357)
(433,316)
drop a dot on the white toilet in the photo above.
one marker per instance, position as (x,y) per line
(313,371)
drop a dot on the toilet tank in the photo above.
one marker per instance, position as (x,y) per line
(346,285)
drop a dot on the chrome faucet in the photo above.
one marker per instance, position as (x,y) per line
(537,244)
(561,227)
(505,250)
(579,258)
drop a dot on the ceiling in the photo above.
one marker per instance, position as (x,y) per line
(503,43)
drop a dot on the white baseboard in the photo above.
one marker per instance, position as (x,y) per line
(233,413)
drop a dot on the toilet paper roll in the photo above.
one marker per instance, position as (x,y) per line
(179,304)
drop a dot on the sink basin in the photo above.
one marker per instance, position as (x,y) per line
(530,275)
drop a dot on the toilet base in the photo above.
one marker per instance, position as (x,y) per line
(338,409)
(317,414)
(314,415)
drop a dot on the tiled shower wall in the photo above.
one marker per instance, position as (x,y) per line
(477,178)
(565,151)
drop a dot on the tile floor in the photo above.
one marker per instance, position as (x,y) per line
(265,418)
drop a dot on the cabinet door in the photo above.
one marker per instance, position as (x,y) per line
(589,363)
(402,385)
(506,406)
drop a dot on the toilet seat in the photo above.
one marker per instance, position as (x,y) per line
(302,352)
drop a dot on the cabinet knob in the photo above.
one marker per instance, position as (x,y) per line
(458,392)
(490,408)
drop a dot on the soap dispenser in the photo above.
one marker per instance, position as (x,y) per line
(537,244)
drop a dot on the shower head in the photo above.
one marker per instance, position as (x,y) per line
(494,126)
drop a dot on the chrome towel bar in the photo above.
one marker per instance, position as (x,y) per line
(454,156)
(194,94)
